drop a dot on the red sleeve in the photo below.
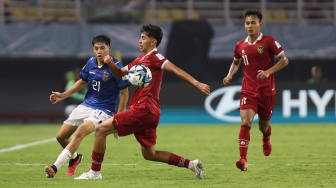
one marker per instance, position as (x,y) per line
(236,53)
(275,47)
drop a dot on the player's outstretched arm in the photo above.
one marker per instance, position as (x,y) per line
(169,66)
(115,70)
(56,97)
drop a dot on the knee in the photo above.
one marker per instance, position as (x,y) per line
(148,156)
(61,138)
(100,131)
(78,135)
(247,122)
(263,125)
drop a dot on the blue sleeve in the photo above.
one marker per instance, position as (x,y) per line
(84,73)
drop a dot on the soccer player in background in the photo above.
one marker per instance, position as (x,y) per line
(106,96)
(257,54)
(142,117)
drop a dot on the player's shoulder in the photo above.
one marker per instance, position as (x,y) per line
(91,61)
(157,56)
(268,37)
(239,42)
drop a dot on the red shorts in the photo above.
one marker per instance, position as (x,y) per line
(263,105)
(138,121)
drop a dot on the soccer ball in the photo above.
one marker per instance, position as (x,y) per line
(139,76)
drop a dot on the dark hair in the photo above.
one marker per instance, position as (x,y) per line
(153,31)
(101,38)
(255,13)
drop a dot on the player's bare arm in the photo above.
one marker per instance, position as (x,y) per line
(185,76)
(232,71)
(123,100)
(116,70)
(283,61)
(56,97)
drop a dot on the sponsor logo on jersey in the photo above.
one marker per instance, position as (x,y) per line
(158,55)
(260,49)
(277,44)
(105,76)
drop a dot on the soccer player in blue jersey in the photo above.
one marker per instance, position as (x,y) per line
(106,95)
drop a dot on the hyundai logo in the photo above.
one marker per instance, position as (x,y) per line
(226,104)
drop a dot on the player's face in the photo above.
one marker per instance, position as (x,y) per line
(252,25)
(100,50)
(146,43)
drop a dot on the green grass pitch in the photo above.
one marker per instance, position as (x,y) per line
(303,155)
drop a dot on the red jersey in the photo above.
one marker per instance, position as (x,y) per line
(259,55)
(149,96)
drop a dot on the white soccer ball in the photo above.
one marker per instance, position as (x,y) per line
(139,76)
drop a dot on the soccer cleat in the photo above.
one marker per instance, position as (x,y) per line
(198,169)
(50,171)
(89,176)
(267,146)
(242,164)
(73,163)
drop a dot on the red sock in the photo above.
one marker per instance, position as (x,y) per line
(97,160)
(244,140)
(178,161)
(268,132)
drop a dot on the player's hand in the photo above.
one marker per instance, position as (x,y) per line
(108,59)
(262,74)
(116,136)
(227,80)
(56,97)
(204,88)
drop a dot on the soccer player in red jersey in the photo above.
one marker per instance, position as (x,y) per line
(142,117)
(257,54)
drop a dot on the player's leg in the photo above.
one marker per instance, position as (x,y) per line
(147,139)
(63,135)
(266,130)
(247,116)
(83,130)
(149,153)
(98,152)
(96,117)
(265,114)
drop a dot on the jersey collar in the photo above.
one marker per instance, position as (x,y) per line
(155,49)
(259,38)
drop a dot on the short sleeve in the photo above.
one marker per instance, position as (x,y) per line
(84,73)
(236,53)
(275,47)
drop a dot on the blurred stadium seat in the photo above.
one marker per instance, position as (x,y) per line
(128,11)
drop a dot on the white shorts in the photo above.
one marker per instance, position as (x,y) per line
(83,113)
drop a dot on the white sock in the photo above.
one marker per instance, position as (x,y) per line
(191,165)
(73,156)
(94,172)
(62,158)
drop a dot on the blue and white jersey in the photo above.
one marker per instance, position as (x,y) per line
(103,87)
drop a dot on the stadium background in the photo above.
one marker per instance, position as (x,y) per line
(41,40)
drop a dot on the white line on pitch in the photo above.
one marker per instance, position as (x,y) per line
(23,146)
